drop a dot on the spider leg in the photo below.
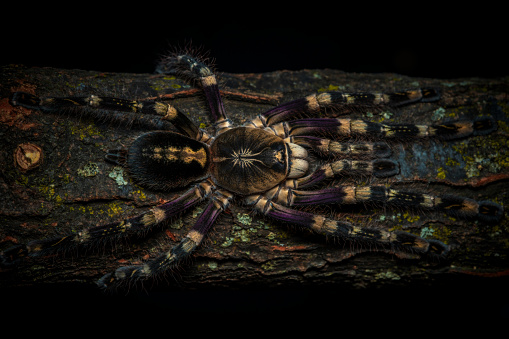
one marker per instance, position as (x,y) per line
(151,111)
(346,230)
(380,195)
(327,147)
(196,70)
(93,236)
(313,103)
(218,202)
(380,168)
(349,127)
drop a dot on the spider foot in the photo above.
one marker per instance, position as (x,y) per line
(384,168)
(484,125)
(490,211)
(427,247)
(25,100)
(460,129)
(438,248)
(130,275)
(123,275)
(486,211)
(11,257)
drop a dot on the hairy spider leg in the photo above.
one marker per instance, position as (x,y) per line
(218,202)
(102,234)
(346,230)
(302,131)
(196,70)
(313,103)
(100,107)
(350,127)
(327,147)
(456,206)
(380,168)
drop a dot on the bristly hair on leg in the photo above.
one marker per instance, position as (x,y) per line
(171,62)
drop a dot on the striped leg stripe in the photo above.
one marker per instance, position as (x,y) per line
(103,234)
(218,202)
(313,103)
(350,127)
(327,147)
(346,230)
(452,205)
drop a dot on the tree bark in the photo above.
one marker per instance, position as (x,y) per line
(72,187)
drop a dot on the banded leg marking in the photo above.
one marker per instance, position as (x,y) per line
(313,103)
(380,168)
(346,230)
(328,147)
(348,127)
(96,105)
(196,70)
(452,205)
(218,202)
(93,236)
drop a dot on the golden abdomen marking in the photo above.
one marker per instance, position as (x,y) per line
(183,154)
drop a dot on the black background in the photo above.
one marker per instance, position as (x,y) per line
(419,41)
(434,43)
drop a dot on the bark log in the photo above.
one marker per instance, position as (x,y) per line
(73,187)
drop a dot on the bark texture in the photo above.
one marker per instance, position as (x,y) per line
(73,187)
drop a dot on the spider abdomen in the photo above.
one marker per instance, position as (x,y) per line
(165,160)
(249,160)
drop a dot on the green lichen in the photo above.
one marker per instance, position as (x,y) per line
(196,212)
(117,174)
(427,232)
(268,266)
(241,233)
(177,224)
(387,275)
(228,241)
(244,219)
(484,153)
(438,114)
(89,170)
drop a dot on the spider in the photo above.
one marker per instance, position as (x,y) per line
(277,164)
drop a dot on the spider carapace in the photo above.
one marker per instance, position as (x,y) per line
(277,164)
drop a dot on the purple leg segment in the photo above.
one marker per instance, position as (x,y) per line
(334,195)
(214,100)
(218,202)
(93,236)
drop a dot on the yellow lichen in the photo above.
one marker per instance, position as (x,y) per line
(441,173)
(331,88)
(84,130)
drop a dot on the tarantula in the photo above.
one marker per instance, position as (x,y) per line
(267,165)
